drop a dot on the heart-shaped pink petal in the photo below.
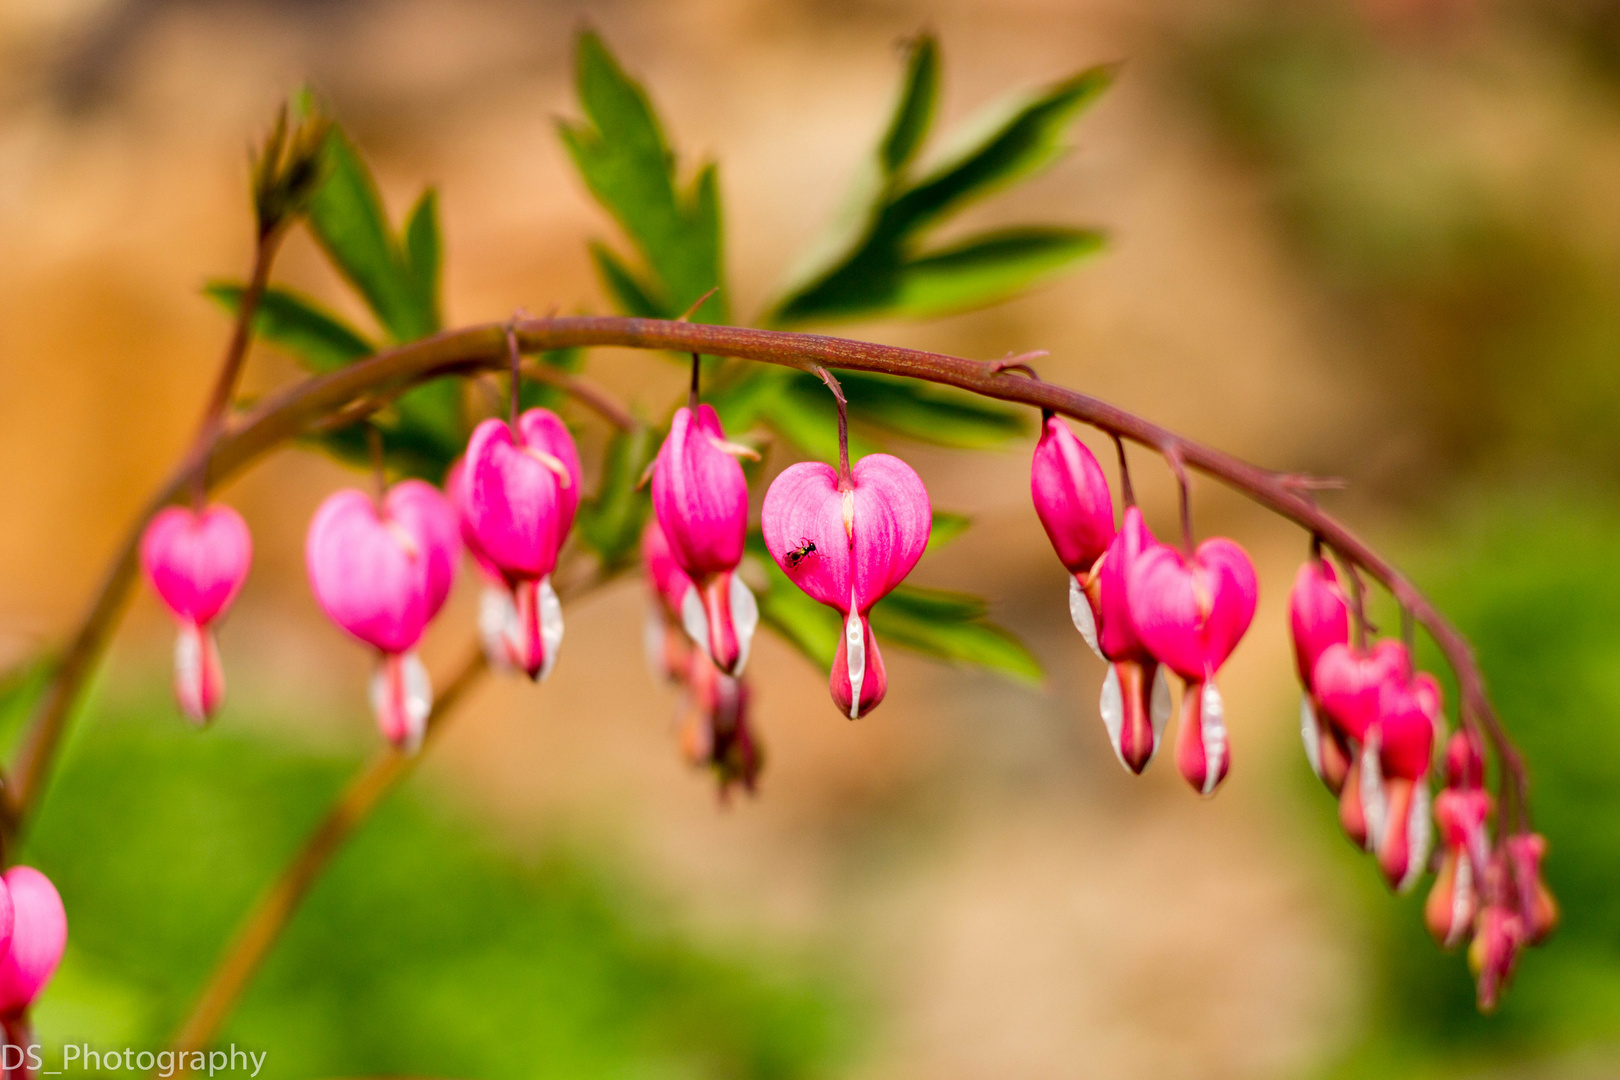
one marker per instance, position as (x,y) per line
(1071,497)
(197,562)
(1348,684)
(38,939)
(428,516)
(1116,632)
(455,486)
(1191,613)
(1317,615)
(521,497)
(368,573)
(700,495)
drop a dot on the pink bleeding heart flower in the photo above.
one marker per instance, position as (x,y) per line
(1395,771)
(866,538)
(1348,684)
(700,498)
(497,605)
(1191,613)
(667,645)
(1318,618)
(522,494)
(1135,702)
(197,563)
(381,573)
(1537,908)
(1074,504)
(1461,811)
(38,939)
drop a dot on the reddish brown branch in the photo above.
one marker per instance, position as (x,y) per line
(298,407)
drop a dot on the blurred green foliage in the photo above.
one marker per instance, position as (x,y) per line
(428,949)
(1531,580)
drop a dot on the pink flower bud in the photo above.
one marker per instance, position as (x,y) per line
(38,938)
(700,498)
(521,497)
(1135,702)
(1498,936)
(498,628)
(1348,683)
(1537,908)
(1072,500)
(197,564)
(1318,618)
(1465,760)
(715,731)
(848,549)
(381,574)
(1191,613)
(455,488)
(1460,811)
(1453,902)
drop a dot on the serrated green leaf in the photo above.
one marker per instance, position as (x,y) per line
(946,527)
(918,410)
(347,217)
(424,254)
(626,162)
(610,523)
(628,293)
(315,337)
(989,268)
(951,626)
(914,112)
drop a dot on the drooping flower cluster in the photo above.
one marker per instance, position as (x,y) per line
(1370,724)
(1144,606)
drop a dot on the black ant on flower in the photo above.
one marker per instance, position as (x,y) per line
(805,549)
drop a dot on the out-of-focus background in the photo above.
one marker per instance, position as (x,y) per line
(1376,239)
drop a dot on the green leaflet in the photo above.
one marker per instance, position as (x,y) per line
(347,217)
(314,337)
(627,163)
(873,264)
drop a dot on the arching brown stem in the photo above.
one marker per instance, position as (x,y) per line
(295,409)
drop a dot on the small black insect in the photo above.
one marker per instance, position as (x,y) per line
(805,549)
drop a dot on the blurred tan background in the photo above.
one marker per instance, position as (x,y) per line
(1018,904)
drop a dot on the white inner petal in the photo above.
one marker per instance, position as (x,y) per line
(551,624)
(1462,891)
(694,620)
(1214,732)
(1417,836)
(497,625)
(744,620)
(1112,707)
(1374,805)
(1310,733)
(855,650)
(1159,705)
(1080,611)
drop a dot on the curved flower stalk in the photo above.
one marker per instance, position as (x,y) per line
(382,571)
(1318,618)
(847,541)
(196,562)
(1191,613)
(523,484)
(38,939)
(700,499)
(1076,509)
(1349,684)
